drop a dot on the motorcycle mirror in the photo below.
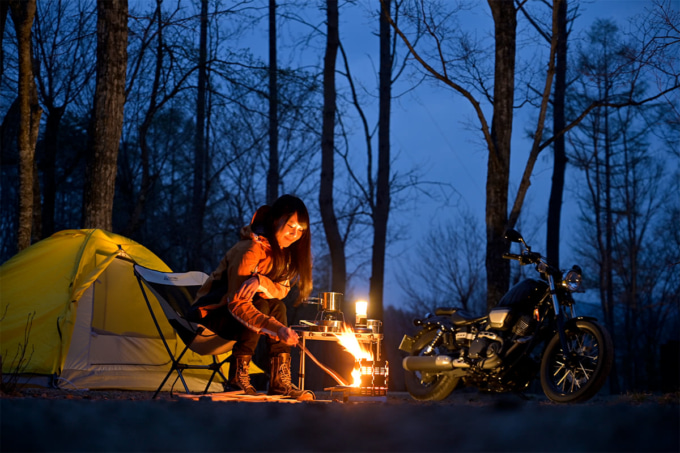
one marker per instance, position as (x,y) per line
(513,236)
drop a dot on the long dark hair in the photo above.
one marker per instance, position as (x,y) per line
(294,263)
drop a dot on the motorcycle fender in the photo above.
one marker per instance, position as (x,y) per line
(406,344)
(571,323)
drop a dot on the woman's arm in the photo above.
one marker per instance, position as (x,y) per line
(272,290)
(246,261)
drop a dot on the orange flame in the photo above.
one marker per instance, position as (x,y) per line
(348,340)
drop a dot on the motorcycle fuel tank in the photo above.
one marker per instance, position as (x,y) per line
(524,296)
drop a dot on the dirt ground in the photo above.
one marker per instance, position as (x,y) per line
(61,420)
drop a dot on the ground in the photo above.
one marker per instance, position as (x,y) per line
(62,420)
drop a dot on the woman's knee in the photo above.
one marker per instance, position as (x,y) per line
(262,305)
(278,311)
(272,307)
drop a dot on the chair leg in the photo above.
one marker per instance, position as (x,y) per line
(162,383)
(216,368)
(176,366)
(181,376)
(212,376)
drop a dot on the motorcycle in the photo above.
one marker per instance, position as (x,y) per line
(532,330)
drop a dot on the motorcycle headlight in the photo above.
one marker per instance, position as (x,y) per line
(573,281)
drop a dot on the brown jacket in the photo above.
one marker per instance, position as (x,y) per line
(250,257)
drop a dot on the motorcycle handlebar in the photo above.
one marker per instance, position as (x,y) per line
(512,256)
(526,258)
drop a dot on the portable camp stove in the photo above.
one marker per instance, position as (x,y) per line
(329,315)
(372,383)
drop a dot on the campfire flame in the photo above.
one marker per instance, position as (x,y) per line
(348,340)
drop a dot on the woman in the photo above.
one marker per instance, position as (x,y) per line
(242,298)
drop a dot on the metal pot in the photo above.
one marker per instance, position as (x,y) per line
(374,325)
(331,301)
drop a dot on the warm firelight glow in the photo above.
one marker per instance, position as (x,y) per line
(348,340)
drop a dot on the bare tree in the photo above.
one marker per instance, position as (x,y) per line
(622,195)
(466,78)
(149,56)
(372,186)
(23,14)
(497,135)
(107,115)
(200,154)
(326,206)
(559,123)
(62,46)
(498,169)
(447,269)
(559,152)
(382,194)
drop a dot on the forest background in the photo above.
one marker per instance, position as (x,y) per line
(170,122)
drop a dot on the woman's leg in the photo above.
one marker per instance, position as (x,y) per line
(280,382)
(226,326)
(277,310)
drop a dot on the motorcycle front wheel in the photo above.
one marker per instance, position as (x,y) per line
(578,374)
(426,386)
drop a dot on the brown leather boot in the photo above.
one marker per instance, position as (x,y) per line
(241,379)
(280,383)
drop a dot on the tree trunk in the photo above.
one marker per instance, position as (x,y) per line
(560,156)
(273,172)
(49,167)
(330,222)
(382,202)
(498,169)
(200,158)
(23,13)
(107,117)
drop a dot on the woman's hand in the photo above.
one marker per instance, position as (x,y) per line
(248,289)
(288,336)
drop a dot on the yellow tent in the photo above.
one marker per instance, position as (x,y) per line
(74,301)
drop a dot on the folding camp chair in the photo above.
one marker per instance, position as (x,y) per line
(175,293)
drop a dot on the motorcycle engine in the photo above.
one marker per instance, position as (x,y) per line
(486,349)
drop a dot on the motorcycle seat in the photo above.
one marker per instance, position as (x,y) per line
(463,318)
(458,316)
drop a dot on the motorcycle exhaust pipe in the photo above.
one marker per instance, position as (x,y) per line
(432,363)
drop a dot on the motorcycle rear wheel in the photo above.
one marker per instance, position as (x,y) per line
(425,386)
(578,375)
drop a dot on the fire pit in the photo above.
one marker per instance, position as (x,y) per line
(373,378)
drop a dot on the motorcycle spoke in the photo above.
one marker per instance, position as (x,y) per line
(570,375)
(585,373)
(559,368)
(560,383)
